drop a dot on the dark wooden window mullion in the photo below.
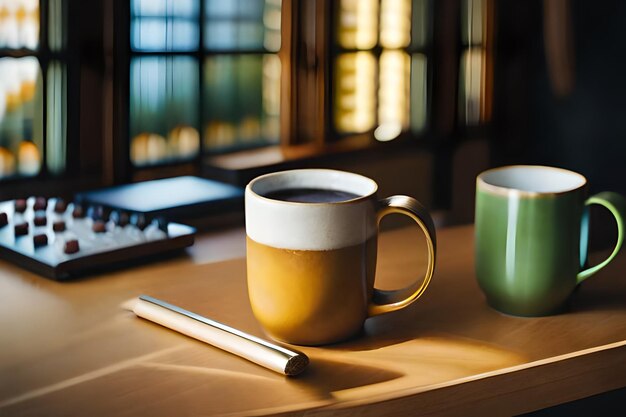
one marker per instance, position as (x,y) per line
(122,37)
(200,56)
(333,51)
(72,83)
(43,62)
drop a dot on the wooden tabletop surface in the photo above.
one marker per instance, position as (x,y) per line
(71,349)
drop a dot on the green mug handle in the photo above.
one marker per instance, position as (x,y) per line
(616,204)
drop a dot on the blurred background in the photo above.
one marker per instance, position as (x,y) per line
(419,94)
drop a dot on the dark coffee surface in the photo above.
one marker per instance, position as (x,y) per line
(310,195)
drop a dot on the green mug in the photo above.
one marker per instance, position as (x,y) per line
(531,233)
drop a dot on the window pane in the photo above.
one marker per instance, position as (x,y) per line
(165,25)
(235,9)
(56,24)
(157,34)
(272,22)
(21,130)
(419,92)
(241,101)
(163,109)
(471,86)
(380,75)
(56,129)
(219,9)
(472,12)
(393,95)
(242,25)
(19,24)
(149,7)
(166,8)
(420,24)
(355,92)
(395,23)
(357,24)
(224,36)
(250,35)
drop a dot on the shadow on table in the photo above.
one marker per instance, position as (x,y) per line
(413,364)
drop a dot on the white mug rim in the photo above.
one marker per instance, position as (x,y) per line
(482,183)
(361,196)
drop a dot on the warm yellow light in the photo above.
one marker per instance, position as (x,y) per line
(393,93)
(271,18)
(272,23)
(355,99)
(387,131)
(7,163)
(11,82)
(219,134)
(395,23)
(28,159)
(272,40)
(148,148)
(472,85)
(184,142)
(358,24)
(249,129)
(20,117)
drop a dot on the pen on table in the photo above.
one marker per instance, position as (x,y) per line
(262,352)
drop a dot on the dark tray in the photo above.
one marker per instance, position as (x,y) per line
(180,199)
(96,250)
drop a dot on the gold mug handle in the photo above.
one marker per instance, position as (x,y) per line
(387,301)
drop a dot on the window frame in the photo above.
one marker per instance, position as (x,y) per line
(312,76)
(307,52)
(108,162)
(334,50)
(83,166)
(124,169)
(44,56)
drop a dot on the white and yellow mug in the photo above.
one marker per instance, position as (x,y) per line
(311,253)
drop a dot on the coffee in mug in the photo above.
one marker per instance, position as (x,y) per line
(531,236)
(311,253)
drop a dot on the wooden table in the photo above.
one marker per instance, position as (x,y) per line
(70,349)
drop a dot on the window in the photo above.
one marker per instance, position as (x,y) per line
(475,68)
(32,89)
(374,56)
(381,67)
(204,78)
